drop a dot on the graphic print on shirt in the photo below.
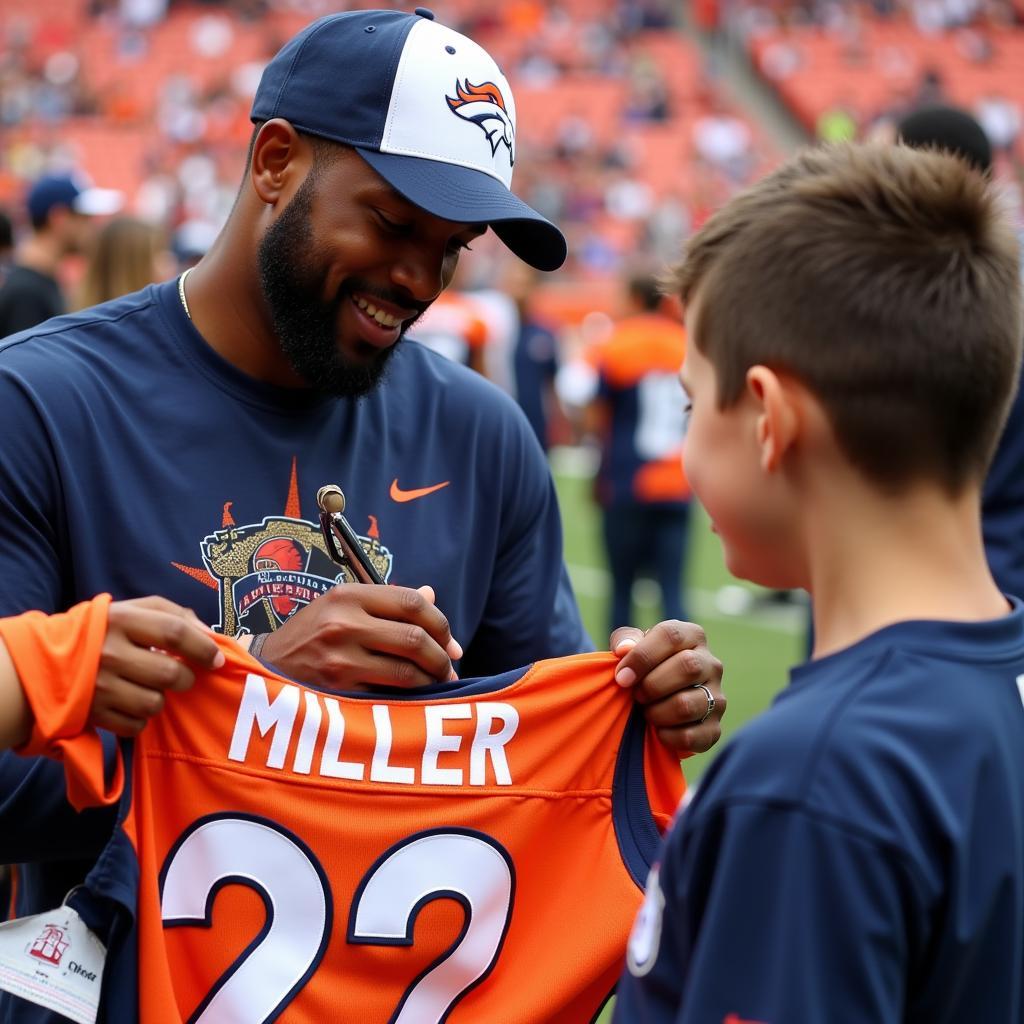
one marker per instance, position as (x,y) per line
(266,571)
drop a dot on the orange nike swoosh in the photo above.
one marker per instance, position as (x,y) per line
(418,492)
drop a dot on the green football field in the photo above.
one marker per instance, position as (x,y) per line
(756,639)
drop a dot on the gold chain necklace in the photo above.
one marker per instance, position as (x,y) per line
(181,292)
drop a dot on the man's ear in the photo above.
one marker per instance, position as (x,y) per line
(278,154)
(778,415)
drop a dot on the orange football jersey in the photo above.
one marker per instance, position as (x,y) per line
(471,854)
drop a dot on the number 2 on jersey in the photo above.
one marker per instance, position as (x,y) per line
(239,849)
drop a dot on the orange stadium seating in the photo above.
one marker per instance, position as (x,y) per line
(885,64)
(117,135)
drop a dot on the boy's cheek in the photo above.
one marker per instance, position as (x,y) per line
(755,534)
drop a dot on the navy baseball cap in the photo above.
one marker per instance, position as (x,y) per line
(73,191)
(425,107)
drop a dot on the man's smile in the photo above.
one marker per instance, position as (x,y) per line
(378,323)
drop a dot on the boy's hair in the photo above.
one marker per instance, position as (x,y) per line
(886,280)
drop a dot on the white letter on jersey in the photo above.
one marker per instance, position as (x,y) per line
(435,716)
(485,742)
(330,766)
(380,770)
(307,737)
(257,709)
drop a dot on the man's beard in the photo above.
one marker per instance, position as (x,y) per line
(306,325)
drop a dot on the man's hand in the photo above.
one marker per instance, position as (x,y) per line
(152,645)
(359,635)
(666,666)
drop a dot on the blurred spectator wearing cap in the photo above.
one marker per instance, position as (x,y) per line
(639,413)
(127,254)
(1002,510)
(61,209)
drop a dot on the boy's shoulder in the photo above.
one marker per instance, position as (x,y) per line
(888,731)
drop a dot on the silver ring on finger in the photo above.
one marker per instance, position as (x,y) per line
(711,701)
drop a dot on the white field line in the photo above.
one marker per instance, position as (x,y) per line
(704,604)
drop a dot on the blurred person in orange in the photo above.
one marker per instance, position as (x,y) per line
(454,328)
(639,414)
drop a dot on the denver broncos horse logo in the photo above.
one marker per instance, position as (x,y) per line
(485,106)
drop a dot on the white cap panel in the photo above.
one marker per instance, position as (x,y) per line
(455,107)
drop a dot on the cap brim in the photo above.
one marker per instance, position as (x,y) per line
(469,196)
(98,202)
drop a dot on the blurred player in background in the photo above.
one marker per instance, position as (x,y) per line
(534,352)
(454,328)
(857,854)
(640,421)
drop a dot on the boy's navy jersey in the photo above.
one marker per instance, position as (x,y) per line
(138,461)
(857,854)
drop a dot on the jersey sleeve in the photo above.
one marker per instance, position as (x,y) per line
(57,660)
(770,914)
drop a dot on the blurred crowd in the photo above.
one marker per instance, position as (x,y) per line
(852,70)
(624,140)
(628,138)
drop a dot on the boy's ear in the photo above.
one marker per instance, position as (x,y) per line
(778,419)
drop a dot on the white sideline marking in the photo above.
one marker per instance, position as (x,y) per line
(596,583)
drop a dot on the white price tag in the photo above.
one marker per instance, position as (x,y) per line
(55,961)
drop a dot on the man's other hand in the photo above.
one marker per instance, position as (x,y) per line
(152,645)
(666,667)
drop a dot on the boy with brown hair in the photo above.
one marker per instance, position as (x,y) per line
(857,854)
